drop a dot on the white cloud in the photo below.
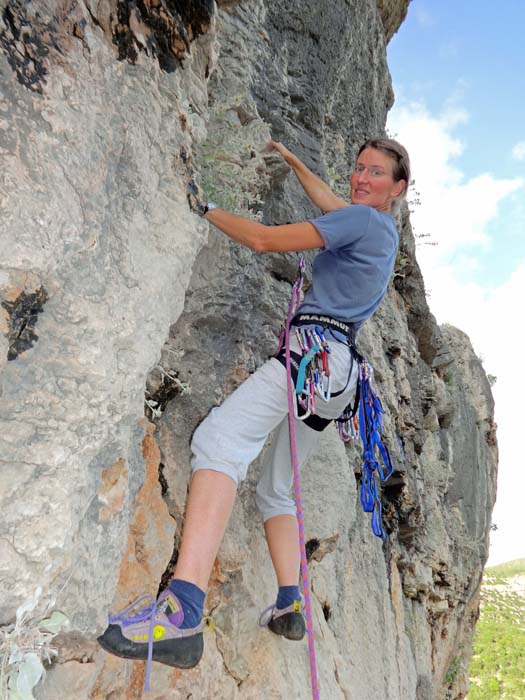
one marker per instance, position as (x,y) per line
(456,211)
(518,150)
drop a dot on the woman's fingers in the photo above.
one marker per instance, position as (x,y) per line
(271,145)
(286,154)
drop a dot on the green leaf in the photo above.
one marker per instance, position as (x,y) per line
(54,623)
(28,606)
(24,679)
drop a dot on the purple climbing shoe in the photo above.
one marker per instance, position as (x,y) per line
(288,622)
(150,629)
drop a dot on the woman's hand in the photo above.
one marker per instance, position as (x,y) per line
(286,154)
(318,191)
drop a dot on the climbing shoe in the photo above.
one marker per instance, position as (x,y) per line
(150,629)
(287,622)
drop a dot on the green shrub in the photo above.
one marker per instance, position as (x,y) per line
(497,667)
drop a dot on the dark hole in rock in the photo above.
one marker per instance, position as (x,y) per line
(23,312)
(394,351)
(162,479)
(426,406)
(277,276)
(327,612)
(311,547)
(393,488)
(161,388)
(184,155)
(168,573)
(445,420)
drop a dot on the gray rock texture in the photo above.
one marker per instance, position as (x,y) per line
(116,300)
(94,213)
(392,12)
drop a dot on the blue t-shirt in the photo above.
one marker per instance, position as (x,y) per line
(350,275)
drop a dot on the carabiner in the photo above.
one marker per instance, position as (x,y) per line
(343,433)
(301,374)
(296,409)
(324,342)
(300,340)
(324,360)
(326,386)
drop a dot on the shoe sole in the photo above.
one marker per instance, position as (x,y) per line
(290,625)
(182,652)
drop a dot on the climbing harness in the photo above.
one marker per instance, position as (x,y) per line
(310,373)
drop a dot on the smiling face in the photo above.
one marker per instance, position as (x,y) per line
(372,182)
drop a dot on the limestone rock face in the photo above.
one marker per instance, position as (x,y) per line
(96,252)
(116,300)
(392,12)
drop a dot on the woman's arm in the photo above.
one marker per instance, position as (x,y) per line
(318,191)
(265,239)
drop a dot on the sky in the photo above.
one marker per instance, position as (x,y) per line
(458,71)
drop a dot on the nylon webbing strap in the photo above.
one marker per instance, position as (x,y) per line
(347,329)
(294,304)
(370,428)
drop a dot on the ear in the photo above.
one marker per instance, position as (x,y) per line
(399,187)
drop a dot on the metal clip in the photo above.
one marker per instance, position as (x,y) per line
(296,404)
(301,374)
(300,340)
(324,342)
(311,402)
(324,388)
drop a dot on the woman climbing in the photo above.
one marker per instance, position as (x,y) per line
(350,276)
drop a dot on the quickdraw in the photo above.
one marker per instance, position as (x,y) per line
(313,375)
(371,426)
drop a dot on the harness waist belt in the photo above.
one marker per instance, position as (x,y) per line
(327,322)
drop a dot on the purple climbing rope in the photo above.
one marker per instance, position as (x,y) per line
(292,309)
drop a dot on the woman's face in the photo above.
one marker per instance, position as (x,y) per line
(372,182)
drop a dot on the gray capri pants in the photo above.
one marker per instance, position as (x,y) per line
(233,434)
